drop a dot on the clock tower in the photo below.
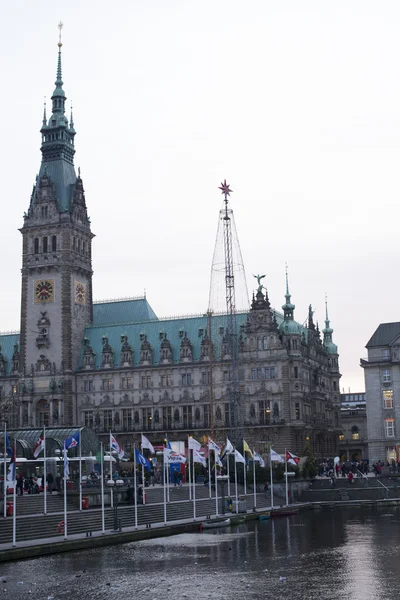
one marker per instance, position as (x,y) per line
(56,302)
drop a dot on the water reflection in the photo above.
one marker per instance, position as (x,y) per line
(323,555)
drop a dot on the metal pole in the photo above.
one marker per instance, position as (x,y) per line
(44,471)
(135,485)
(216,489)
(254,481)
(211,366)
(15,497)
(5,471)
(80,469)
(103,527)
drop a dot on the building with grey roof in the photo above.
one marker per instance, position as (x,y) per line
(117,366)
(382,387)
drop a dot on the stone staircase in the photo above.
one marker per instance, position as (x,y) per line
(39,526)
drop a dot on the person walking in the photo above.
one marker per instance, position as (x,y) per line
(50,481)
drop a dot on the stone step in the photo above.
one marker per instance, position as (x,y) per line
(40,526)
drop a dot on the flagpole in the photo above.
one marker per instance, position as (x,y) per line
(15,496)
(209,471)
(190,477)
(65,499)
(5,471)
(135,485)
(44,471)
(229,475)
(216,488)
(103,528)
(143,481)
(272,482)
(254,479)
(194,493)
(287,494)
(165,491)
(111,479)
(80,469)
(245,474)
(236,490)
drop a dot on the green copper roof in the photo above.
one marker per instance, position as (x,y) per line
(62,175)
(174,330)
(7,341)
(122,311)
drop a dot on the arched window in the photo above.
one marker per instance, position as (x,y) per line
(73,244)
(259,344)
(265,342)
(45,244)
(54,243)
(79,246)
(36,246)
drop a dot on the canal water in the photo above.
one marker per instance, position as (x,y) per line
(325,555)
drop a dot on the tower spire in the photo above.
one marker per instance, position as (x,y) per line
(327,331)
(288,307)
(44,114)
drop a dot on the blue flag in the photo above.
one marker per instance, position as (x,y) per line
(8,445)
(73,441)
(142,460)
(167,442)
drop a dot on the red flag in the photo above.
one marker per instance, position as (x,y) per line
(292,458)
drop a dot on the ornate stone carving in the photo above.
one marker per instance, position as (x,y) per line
(43,364)
(43,325)
(15,359)
(186,351)
(165,351)
(3,364)
(126,352)
(146,352)
(107,354)
(89,355)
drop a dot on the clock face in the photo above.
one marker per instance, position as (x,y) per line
(44,290)
(80,292)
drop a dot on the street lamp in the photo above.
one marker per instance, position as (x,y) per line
(112,485)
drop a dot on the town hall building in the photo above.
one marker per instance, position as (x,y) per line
(117,366)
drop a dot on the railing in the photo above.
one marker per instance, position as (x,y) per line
(384,486)
(364,476)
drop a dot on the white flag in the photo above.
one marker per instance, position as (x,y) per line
(229,449)
(239,458)
(198,458)
(218,460)
(193,444)
(213,446)
(259,458)
(147,444)
(275,457)
(173,457)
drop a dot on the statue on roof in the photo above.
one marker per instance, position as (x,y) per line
(260,285)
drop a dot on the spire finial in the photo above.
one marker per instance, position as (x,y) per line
(71,121)
(287,279)
(326,307)
(60,26)
(44,113)
(59,82)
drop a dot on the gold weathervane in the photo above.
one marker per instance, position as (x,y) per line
(60,26)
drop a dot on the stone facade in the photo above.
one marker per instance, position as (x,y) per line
(353,440)
(116,366)
(382,387)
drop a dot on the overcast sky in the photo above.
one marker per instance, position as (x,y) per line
(295,103)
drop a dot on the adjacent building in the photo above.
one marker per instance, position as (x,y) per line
(353,438)
(117,366)
(382,387)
